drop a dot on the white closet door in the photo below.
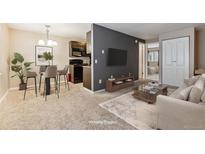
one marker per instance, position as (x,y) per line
(175,66)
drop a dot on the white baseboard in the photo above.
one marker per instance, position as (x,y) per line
(92,92)
(5,94)
(13,88)
(98,91)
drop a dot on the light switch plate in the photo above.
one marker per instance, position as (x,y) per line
(96,61)
(103,51)
(100,81)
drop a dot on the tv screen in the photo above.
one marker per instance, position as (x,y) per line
(116,57)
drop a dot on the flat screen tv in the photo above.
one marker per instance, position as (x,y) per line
(116,57)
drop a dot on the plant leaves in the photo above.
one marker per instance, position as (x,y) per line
(27,64)
(18,57)
(16,68)
(14,61)
(13,76)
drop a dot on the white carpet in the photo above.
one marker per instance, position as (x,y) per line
(137,113)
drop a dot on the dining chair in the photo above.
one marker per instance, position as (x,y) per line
(63,73)
(50,73)
(28,75)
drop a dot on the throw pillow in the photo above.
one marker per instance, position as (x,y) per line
(191,81)
(184,94)
(196,91)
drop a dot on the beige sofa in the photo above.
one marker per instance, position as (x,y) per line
(179,114)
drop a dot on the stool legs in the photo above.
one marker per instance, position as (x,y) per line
(59,81)
(27,85)
(56,88)
(40,83)
(44,91)
(65,79)
(25,89)
(35,86)
(56,85)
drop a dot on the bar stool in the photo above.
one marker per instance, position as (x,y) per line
(28,75)
(42,69)
(63,73)
(50,73)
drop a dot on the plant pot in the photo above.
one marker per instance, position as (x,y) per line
(22,86)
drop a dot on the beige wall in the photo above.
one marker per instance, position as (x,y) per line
(24,42)
(4,59)
(200,48)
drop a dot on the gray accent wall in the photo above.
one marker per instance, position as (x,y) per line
(104,38)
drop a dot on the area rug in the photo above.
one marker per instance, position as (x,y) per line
(135,112)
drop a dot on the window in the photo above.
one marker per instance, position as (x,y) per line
(153,56)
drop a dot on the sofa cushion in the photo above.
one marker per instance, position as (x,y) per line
(203,94)
(177,91)
(196,91)
(184,93)
(203,97)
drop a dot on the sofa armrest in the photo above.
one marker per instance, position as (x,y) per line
(179,114)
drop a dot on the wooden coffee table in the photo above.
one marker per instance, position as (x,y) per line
(149,96)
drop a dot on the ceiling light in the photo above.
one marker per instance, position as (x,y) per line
(48,41)
(55,43)
(41,42)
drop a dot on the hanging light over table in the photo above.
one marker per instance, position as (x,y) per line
(48,41)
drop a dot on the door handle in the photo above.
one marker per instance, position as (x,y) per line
(174,61)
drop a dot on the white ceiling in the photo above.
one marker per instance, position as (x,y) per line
(78,30)
(148,30)
(70,30)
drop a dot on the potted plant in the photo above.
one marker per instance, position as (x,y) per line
(19,66)
(48,56)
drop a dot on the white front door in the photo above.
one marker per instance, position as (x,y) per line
(175,61)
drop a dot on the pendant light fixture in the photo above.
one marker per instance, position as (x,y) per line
(48,41)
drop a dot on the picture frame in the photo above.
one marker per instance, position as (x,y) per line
(39,60)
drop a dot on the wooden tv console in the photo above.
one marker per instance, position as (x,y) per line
(111,85)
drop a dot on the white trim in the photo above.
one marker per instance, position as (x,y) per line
(88,90)
(93,92)
(92,59)
(5,94)
(146,49)
(13,88)
(99,91)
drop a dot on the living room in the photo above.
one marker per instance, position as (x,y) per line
(102,77)
(115,98)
